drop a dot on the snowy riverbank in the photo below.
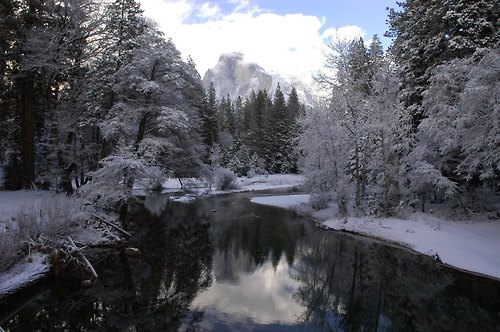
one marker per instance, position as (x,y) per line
(254,183)
(34,224)
(35,266)
(465,244)
(243,184)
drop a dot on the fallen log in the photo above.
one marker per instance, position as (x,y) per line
(110,224)
(84,259)
(23,275)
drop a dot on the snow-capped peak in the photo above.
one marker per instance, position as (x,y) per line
(235,77)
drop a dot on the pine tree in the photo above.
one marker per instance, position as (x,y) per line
(358,65)
(257,108)
(9,127)
(48,50)
(428,33)
(295,110)
(457,141)
(227,116)
(294,106)
(209,118)
(281,143)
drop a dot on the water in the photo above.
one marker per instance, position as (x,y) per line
(225,264)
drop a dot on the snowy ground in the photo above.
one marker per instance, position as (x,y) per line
(281,201)
(254,183)
(34,266)
(26,272)
(469,245)
(12,201)
(273,181)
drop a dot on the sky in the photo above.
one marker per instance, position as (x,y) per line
(287,37)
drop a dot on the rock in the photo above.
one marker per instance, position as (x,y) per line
(87,283)
(233,76)
(132,252)
(493,215)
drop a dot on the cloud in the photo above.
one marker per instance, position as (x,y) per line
(292,44)
(208,10)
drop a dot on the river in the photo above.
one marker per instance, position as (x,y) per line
(226,264)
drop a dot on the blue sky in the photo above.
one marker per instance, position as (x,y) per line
(284,36)
(369,14)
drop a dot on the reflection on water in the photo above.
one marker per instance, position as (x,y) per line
(225,264)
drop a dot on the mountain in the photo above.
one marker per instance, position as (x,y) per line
(233,76)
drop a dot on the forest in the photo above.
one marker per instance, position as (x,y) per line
(94,97)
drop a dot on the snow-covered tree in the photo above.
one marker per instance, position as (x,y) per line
(458,141)
(209,118)
(388,129)
(124,27)
(480,119)
(48,54)
(154,120)
(355,146)
(428,33)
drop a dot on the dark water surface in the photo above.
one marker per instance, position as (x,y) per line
(225,264)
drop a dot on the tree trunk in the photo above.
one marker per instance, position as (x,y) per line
(141,131)
(27,131)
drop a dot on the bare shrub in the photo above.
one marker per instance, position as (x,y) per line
(225,179)
(320,200)
(51,218)
(11,246)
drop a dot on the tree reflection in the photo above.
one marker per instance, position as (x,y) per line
(263,237)
(345,283)
(153,293)
(354,285)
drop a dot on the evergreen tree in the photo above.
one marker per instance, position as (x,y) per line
(281,127)
(9,127)
(48,52)
(428,33)
(226,115)
(358,65)
(294,106)
(457,141)
(257,107)
(209,118)
(296,110)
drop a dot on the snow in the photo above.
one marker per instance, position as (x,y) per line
(257,182)
(468,245)
(184,199)
(272,181)
(12,201)
(23,274)
(235,77)
(285,201)
(244,184)
(31,269)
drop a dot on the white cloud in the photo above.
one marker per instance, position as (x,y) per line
(208,10)
(292,44)
(240,4)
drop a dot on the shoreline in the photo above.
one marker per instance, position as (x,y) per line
(36,267)
(467,246)
(376,229)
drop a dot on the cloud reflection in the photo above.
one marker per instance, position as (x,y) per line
(262,297)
